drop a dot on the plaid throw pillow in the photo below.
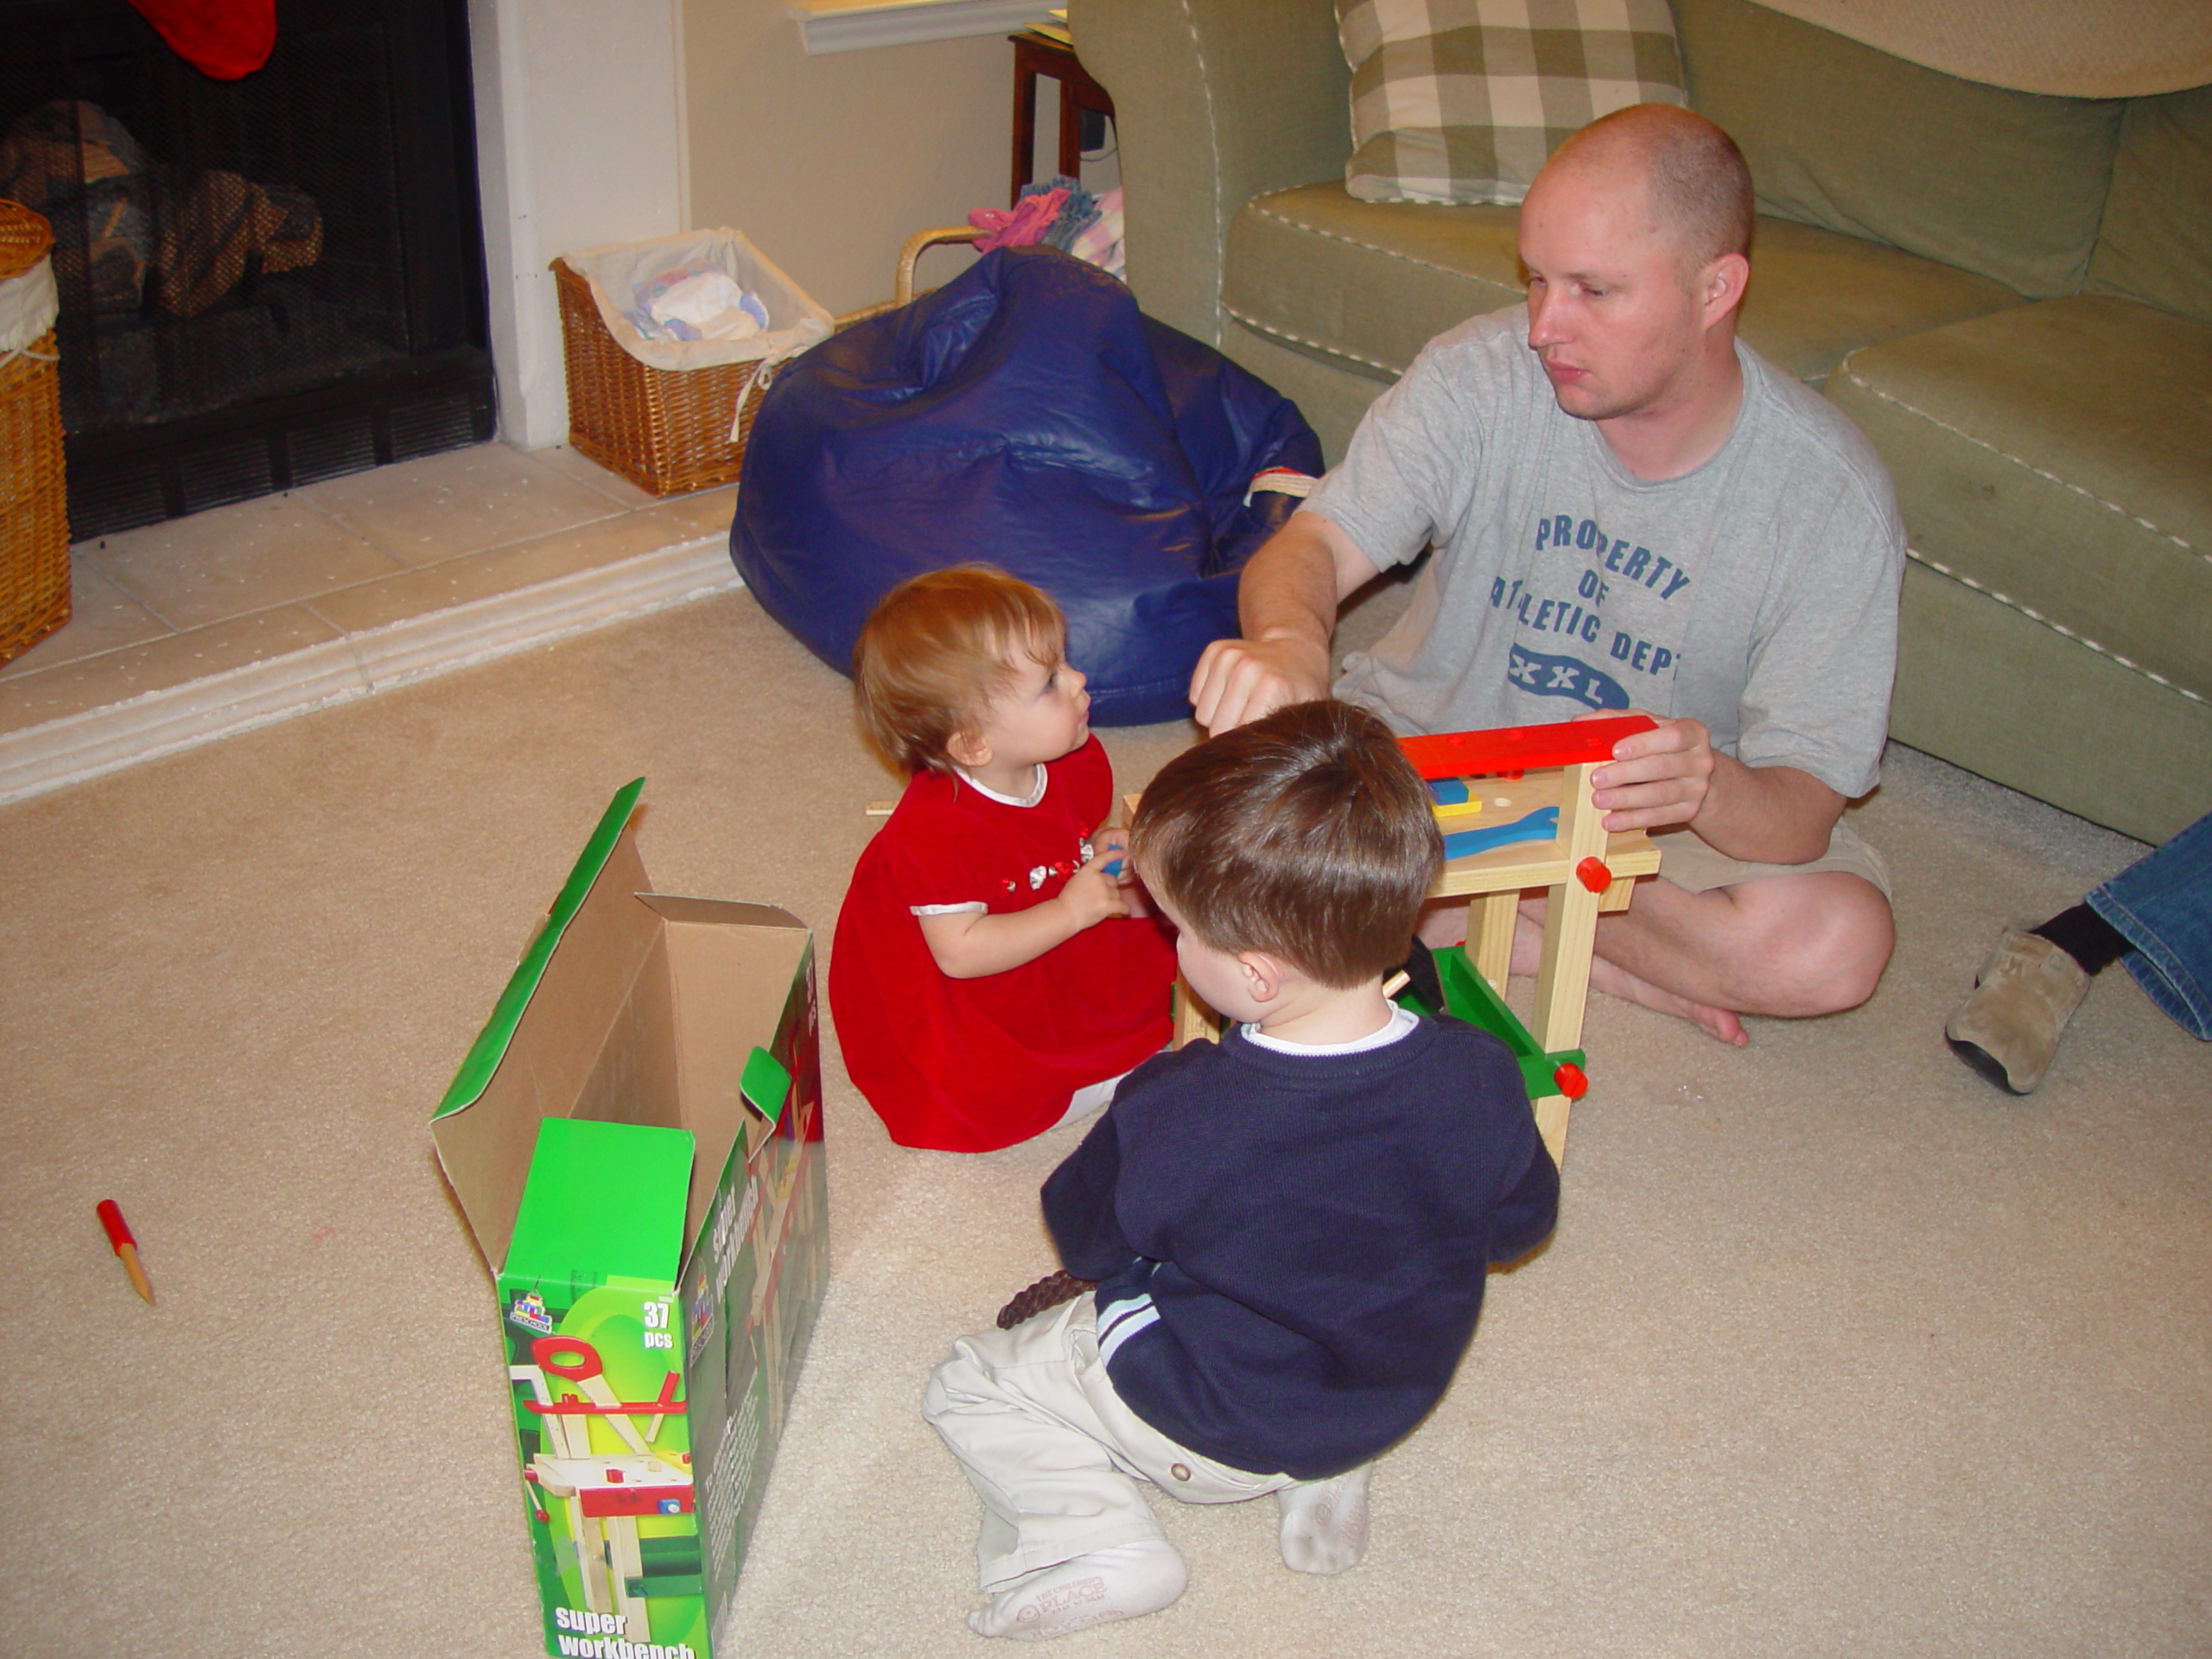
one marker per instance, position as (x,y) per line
(1463,100)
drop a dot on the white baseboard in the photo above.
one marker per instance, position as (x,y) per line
(78,746)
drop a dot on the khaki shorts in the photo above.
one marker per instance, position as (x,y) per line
(1690,862)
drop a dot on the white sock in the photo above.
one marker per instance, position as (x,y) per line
(1325,1523)
(1124,1581)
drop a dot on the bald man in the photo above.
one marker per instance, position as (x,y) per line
(1629,509)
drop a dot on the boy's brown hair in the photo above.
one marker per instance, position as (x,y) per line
(1307,835)
(936,649)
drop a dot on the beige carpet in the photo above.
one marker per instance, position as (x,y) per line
(1836,1350)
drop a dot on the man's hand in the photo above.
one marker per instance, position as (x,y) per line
(1673,775)
(1287,609)
(1657,778)
(1239,681)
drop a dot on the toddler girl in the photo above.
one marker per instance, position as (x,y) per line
(992,975)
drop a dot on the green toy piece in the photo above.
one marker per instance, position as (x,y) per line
(1468,996)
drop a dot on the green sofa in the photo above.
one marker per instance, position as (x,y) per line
(2010,293)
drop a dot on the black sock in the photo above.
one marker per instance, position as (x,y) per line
(1421,970)
(2086,936)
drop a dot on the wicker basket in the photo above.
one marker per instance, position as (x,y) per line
(667,431)
(33,497)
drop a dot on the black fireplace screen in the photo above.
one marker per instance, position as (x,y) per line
(264,281)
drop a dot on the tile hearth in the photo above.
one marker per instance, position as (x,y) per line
(187,631)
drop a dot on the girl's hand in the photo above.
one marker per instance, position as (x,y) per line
(1093,894)
(971,944)
(1113,845)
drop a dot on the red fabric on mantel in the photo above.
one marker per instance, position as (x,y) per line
(224,39)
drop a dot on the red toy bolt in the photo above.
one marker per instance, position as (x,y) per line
(1593,873)
(1571,1080)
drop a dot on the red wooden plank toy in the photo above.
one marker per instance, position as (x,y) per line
(1521,748)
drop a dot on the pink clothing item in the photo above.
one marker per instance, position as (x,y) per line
(1023,226)
(1100,241)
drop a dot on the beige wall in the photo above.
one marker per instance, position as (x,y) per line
(828,164)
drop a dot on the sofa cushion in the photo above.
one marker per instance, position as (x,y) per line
(2008,184)
(1815,296)
(1464,100)
(1367,283)
(1372,283)
(2020,701)
(2052,456)
(2156,245)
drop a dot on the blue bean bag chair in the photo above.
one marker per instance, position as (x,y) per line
(1026,415)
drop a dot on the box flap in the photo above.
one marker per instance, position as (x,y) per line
(491,1044)
(734,968)
(544,1037)
(603,1201)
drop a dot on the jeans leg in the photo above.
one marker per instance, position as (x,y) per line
(2162,905)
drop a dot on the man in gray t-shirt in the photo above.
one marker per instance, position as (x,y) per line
(1629,510)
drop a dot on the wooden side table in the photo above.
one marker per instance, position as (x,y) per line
(1036,54)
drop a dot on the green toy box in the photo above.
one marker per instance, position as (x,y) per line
(636,1140)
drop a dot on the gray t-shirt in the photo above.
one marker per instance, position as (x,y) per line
(1757,593)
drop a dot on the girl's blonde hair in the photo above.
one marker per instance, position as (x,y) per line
(937,648)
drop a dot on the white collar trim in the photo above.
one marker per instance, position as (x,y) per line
(1402,1021)
(1036,792)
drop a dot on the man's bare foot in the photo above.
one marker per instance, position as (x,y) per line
(1615,981)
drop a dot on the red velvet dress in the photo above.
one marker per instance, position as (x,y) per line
(972,1065)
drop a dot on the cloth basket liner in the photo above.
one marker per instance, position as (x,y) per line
(795,321)
(1026,415)
(29,306)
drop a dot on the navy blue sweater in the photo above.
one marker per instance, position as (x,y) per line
(1291,1249)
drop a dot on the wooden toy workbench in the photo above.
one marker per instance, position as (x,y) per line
(1534,779)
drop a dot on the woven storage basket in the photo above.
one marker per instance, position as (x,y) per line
(33,497)
(666,430)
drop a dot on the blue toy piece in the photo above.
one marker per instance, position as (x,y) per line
(1543,825)
(1026,415)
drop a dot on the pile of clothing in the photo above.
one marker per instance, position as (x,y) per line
(1061,214)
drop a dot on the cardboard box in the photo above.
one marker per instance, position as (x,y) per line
(636,1140)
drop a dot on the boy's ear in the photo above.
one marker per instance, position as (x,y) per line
(969,749)
(1263,975)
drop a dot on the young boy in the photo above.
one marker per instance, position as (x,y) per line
(1289,1229)
(991,976)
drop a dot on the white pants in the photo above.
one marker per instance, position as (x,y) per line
(1053,1452)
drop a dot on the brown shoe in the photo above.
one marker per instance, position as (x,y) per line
(2008,1030)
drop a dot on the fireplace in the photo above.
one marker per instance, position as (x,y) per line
(263,282)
